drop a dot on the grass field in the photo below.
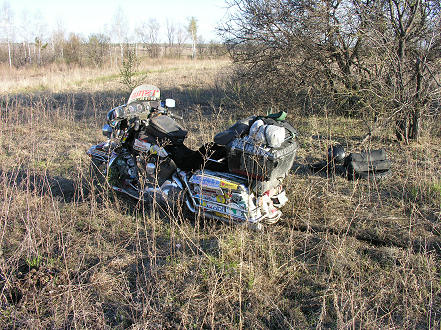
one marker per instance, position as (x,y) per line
(346,254)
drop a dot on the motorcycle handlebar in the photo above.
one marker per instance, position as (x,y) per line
(122,112)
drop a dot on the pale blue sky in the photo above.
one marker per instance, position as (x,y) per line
(93,16)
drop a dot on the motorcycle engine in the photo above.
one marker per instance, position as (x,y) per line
(154,169)
(123,169)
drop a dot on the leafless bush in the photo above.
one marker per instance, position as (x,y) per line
(378,58)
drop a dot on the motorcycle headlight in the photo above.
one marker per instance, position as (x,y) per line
(135,109)
(131,109)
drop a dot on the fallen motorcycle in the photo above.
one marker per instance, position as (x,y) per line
(236,179)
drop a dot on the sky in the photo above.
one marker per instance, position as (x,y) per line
(95,16)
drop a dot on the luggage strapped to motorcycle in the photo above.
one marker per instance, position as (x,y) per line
(281,123)
(263,166)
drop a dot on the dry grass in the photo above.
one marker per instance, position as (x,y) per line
(361,254)
(167,73)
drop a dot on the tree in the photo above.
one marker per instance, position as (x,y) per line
(128,70)
(97,48)
(193,32)
(27,32)
(201,47)
(72,49)
(358,54)
(120,29)
(171,32)
(7,26)
(58,40)
(292,45)
(181,38)
(40,44)
(153,28)
(215,49)
(39,34)
(148,32)
(413,43)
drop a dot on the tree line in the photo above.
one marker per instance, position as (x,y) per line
(26,40)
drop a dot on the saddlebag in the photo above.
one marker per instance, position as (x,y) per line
(367,164)
(164,128)
(239,129)
(222,194)
(264,167)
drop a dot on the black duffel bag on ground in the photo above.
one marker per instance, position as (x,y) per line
(367,164)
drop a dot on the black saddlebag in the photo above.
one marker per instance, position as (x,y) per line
(366,164)
(264,167)
(239,129)
(164,128)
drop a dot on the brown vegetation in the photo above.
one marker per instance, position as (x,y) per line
(379,60)
(361,254)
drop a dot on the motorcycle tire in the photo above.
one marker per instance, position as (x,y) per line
(177,203)
(97,174)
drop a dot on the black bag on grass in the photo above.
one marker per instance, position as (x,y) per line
(367,164)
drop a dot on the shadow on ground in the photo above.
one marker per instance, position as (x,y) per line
(86,105)
(61,188)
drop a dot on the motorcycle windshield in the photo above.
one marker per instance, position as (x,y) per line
(144,93)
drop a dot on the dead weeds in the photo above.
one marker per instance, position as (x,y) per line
(347,254)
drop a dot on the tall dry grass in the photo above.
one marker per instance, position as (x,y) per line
(167,73)
(346,254)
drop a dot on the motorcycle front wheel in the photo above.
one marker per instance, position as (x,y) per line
(97,174)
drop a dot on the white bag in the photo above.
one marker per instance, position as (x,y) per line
(255,127)
(270,135)
(275,135)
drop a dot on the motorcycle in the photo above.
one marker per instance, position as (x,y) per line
(232,179)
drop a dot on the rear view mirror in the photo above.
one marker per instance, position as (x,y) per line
(170,103)
(107,131)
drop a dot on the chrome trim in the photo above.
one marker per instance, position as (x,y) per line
(97,157)
(113,156)
(183,176)
(107,130)
(190,207)
(177,181)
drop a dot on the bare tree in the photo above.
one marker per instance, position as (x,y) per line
(215,49)
(141,33)
(374,56)
(193,32)
(39,32)
(414,46)
(201,47)
(26,34)
(153,28)
(297,42)
(148,32)
(171,33)
(7,26)
(181,38)
(120,29)
(57,40)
